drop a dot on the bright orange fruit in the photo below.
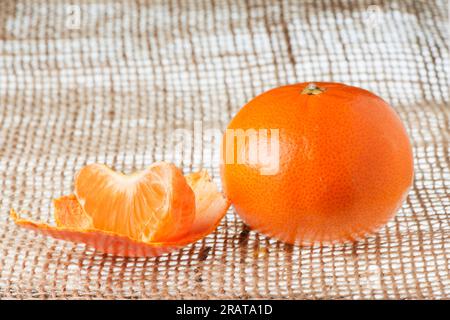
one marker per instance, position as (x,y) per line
(343,168)
(147,213)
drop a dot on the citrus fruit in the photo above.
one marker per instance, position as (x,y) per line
(339,167)
(147,213)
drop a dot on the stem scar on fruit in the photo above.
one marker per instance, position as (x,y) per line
(312,89)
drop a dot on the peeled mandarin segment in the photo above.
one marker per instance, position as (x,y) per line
(69,214)
(102,241)
(148,206)
(210,207)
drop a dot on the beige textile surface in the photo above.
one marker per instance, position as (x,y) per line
(120,82)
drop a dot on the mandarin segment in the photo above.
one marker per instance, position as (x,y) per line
(147,206)
(69,214)
(211,206)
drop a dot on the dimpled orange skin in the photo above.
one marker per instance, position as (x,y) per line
(345,164)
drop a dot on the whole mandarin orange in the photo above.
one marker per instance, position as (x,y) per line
(341,169)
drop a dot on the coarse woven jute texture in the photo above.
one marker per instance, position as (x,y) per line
(122,82)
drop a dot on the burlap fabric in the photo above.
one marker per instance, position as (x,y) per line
(111,82)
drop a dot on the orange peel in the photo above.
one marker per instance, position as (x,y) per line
(146,214)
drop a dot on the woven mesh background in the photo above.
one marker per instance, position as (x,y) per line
(111,82)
